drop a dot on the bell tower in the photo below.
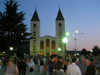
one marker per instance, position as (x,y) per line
(35,30)
(60,34)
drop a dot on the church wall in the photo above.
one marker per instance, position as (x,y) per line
(47,50)
(62,52)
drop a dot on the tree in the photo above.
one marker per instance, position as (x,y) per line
(96,50)
(84,51)
(12,26)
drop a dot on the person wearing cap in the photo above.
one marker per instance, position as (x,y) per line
(82,65)
(90,69)
(12,69)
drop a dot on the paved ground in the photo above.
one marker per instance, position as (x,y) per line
(3,70)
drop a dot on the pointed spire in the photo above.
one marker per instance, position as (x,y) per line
(0,15)
(35,16)
(59,16)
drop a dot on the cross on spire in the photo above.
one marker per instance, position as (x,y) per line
(59,6)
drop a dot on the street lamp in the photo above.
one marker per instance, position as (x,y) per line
(65,40)
(4,52)
(59,49)
(91,51)
(76,33)
(11,48)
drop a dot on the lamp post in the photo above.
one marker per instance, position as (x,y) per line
(76,33)
(75,41)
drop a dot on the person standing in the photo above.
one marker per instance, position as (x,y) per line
(12,69)
(38,64)
(45,69)
(73,69)
(52,63)
(19,64)
(67,62)
(60,59)
(0,66)
(31,65)
(58,69)
(82,65)
(41,68)
(24,64)
(90,69)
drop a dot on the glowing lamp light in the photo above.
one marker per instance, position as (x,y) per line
(76,31)
(77,53)
(4,52)
(59,49)
(65,40)
(91,50)
(11,48)
(67,33)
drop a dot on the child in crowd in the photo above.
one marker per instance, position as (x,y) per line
(45,69)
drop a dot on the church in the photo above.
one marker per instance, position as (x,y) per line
(47,45)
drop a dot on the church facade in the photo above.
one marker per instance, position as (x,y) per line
(47,45)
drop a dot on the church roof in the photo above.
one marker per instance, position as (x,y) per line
(35,16)
(59,16)
(48,36)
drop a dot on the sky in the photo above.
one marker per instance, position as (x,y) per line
(81,15)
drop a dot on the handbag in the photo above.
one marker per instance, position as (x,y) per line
(31,69)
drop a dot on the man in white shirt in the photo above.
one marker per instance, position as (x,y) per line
(73,69)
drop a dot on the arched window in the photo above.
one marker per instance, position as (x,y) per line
(53,44)
(42,45)
(34,28)
(47,42)
(60,26)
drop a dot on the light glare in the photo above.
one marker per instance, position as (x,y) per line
(65,40)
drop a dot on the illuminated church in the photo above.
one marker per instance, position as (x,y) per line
(47,45)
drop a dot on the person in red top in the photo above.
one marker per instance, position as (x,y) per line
(45,69)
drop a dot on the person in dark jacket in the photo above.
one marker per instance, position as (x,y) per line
(19,64)
(52,63)
(24,64)
(90,69)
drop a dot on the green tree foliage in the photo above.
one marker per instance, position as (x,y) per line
(84,51)
(96,50)
(12,26)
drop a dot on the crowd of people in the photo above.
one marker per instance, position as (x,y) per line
(53,65)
